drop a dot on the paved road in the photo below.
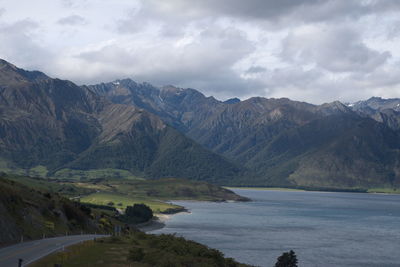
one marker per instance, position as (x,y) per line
(34,250)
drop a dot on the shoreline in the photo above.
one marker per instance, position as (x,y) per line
(157,222)
(282,189)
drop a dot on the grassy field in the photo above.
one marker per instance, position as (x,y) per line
(122,192)
(177,189)
(122,201)
(384,190)
(94,174)
(371,190)
(7,167)
(67,189)
(126,192)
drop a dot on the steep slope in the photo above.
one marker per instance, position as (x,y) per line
(376,103)
(181,108)
(229,128)
(390,117)
(10,74)
(234,128)
(281,142)
(31,213)
(143,144)
(56,124)
(335,152)
(383,110)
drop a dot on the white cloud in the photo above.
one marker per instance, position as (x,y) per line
(310,50)
(17,44)
(335,49)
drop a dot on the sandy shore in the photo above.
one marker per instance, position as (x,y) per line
(156,223)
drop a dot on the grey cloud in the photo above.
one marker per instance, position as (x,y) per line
(203,45)
(204,64)
(110,55)
(393,30)
(273,11)
(73,3)
(334,49)
(72,20)
(312,86)
(18,45)
(67,3)
(254,9)
(317,86)
(132,22)
(255,69)
(137,20)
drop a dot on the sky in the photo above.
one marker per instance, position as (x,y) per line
(308,50)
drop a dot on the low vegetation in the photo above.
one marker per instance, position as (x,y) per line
(287,259)
(45,184)
(139,249)
(121,201)
(120,193)
(138,213)
(30,213)
(34,207)
(384,190)
(83,175)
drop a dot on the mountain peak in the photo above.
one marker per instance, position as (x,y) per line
(334,107)
(232,100)
(375,104)
(10,74)
(172,89)
(4,63)
(374,98)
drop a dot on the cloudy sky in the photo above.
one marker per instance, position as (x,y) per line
(310,50)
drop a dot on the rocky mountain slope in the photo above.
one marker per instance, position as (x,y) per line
(31,213)
(386,111)
(376,103)
(229,127)
(58,125)
(281,142)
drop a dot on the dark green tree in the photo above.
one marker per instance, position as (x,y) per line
(138,213)
(136,254)
(287,259)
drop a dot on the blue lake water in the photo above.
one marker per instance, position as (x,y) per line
(324,229)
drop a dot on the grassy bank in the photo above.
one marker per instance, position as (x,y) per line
(266,188)
(384,190)
(121,201)
(138,249)
(350,190)
(121,192)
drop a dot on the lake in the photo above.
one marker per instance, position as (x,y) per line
(324,229)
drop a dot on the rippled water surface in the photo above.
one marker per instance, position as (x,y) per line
(324,229)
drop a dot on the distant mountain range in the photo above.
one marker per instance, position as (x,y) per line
(58,126)
(170,131)
(386,111)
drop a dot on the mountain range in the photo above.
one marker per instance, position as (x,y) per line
(169,131)
(58,126)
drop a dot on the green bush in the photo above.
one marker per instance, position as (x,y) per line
(138,213)
(287,259)
(136,254)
